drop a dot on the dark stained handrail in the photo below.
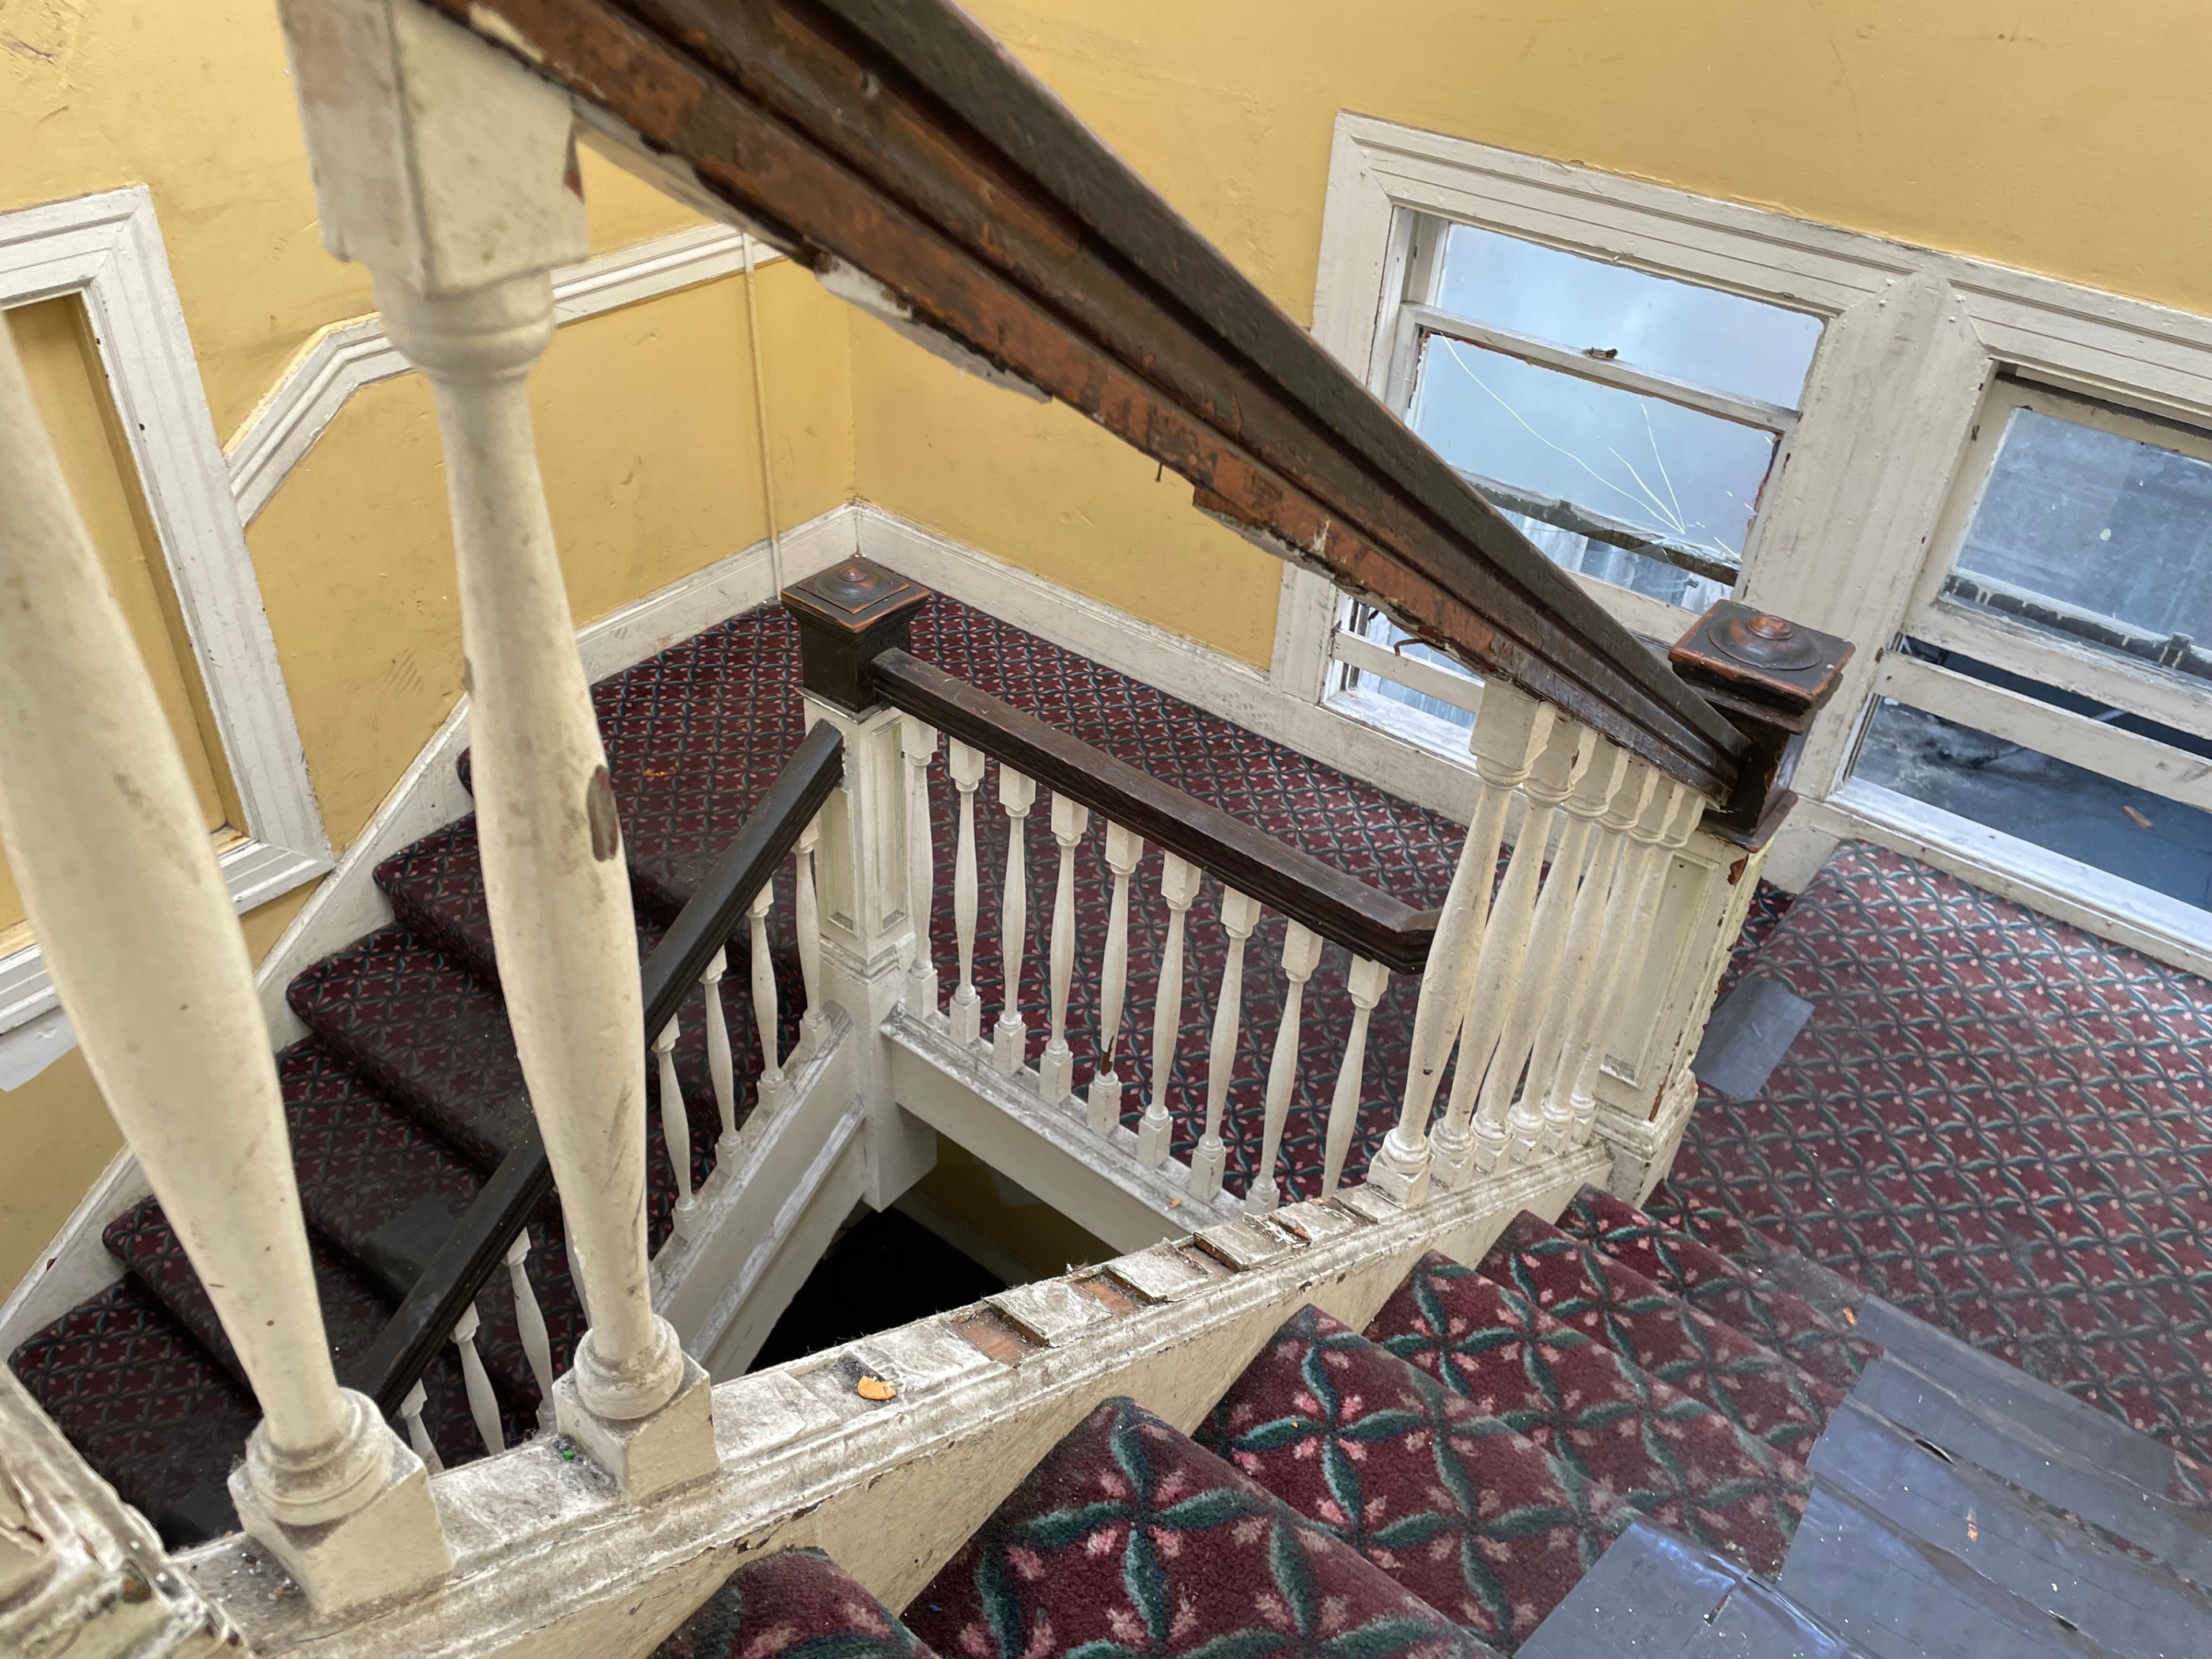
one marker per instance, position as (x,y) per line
(894,148)
(1338,906)
(479,1242)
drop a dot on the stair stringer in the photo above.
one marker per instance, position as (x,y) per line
(548,1558)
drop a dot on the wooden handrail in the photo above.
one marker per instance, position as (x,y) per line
(1365,919)
(478,1243)
(897,150)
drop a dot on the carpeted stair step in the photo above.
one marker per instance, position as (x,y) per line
(2177,1535)
(2120,1601)
(1655,1595)
(436,887)
(1708,1224)
(1886,1592)
(1128,1537)
(1576,1284)
(1671,1457)
(353,1316)
(797,1603)
(1480,1523)
(1708,1280)
(435,1040)
(148,1406)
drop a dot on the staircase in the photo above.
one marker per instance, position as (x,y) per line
(1609,1438)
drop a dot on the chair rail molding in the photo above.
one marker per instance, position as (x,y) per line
(106,249)
(342,358)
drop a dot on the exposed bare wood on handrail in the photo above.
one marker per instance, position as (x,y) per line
(892,146)
(1365,919)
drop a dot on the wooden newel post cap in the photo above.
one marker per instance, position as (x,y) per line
(847,616)
(1768,677)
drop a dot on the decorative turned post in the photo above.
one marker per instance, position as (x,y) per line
(1463,1135)
(767,1014)
(918,743)
(1510,728)
(449,170)
(1366,982)
(846,616)
(1009,1039)
(1178,888)
(1300,956)
(106,843)
(1540,989)
(1240,914)
(675,1126)
(483,1404)
(1125,849)
(806,910)
(721,1064)
(966,765)
(1585,973)
(530,1323)
(1071,819)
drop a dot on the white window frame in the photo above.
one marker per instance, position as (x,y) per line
(1850,528)
(106,249)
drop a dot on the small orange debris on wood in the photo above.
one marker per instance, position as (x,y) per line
(2141,822)
(874,1387)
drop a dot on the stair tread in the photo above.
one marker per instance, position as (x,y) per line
(1129,1535)
(1709,1280)
(436,886)
(786,1602)
(1671,1457)
(1754,1387)
(2122,1600)
(1899,1598)
(1476,1521)
(354,1315)
(2101,1497)
(150,1409)
(1659,1596)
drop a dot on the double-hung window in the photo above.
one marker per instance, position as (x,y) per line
(1627,423)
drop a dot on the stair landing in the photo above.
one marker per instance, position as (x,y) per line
(1993,1121)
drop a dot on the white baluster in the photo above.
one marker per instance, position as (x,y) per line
(721,1065)
(1178,887)
(411,1413)
(918,743)
(766,1015)
(1124,848)
(1460,1143)
(1540,986)
(1239,916)
(483,1404)
(1366,982)
(1655,846)
(1071,819)
(1010,1039)
(966,764)
(462,237)
(1300,956)
(105,840)
(1510,727)
(808,910)
(676,1128)
(1584,975)
(530,1320)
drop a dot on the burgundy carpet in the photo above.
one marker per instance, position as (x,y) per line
(1997,1121)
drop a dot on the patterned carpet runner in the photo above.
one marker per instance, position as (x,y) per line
(1994,1120)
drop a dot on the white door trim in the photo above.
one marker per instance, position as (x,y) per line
(107,249)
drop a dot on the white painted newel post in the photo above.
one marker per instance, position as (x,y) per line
(449,170)
(119,875)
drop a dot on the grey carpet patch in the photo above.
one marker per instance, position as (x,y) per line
(1752,1028)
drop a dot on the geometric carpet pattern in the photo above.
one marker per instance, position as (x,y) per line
(1996,1122)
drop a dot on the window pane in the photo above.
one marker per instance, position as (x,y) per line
(2125,831)
(2111,535)
(1372,624)
(1623,567)
(1697,334)
(1683,475)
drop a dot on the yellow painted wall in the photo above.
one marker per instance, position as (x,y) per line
(2061,137)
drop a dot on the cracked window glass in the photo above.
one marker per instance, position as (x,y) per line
(1702,334)
(2094,533)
